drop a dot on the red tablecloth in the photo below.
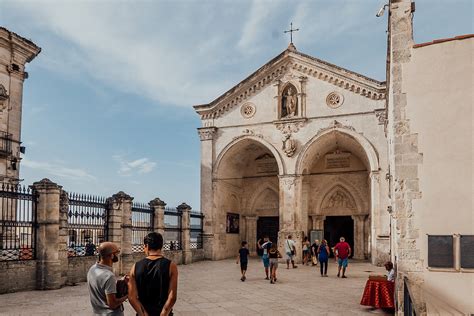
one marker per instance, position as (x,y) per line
(379,294)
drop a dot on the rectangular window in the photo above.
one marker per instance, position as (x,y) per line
(467,251)
(440,251)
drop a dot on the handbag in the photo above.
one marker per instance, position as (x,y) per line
(122,288)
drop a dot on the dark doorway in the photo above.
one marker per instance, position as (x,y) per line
(268,225)
(336,227)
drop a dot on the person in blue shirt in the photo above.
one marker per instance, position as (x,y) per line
(267,244)
(323,256)
(243,258)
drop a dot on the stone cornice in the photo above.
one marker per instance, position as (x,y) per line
(24,50)
(277,67)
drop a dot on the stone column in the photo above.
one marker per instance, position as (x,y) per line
(374,214)
(206,134)
(48,264)
(63,234)
(251,233)
(158,207)
(290,213)
(184,209)
(359,236)
(120,229)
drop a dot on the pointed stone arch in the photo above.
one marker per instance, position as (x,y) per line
(338,200)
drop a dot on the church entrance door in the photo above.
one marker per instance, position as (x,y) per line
(339,226)
(268,225)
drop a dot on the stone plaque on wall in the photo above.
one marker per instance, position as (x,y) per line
(338,160)
(467,251)
(440,251)
(266,164)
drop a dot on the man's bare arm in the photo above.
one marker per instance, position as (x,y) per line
(113,302)
(133,294)
(172,293)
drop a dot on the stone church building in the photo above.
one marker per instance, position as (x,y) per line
(296,147)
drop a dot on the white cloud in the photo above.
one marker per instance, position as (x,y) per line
(140,166)
(58,169)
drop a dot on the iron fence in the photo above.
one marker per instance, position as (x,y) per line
(142,224)
(87,224)
(196,229)
(17,223)
(173,229)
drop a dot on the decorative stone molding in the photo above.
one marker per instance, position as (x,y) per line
(288,182)
(248,110)
(335,124)
(157,202)
(288,126)
(119,197)
(334,100)
(289,145)
(381,116)
(248,132)
(183,206)
(46,184)
(207,133)
(63,202)
(3,93)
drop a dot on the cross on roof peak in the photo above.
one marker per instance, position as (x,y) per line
(291,30)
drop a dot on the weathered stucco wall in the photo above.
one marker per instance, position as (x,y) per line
(439,86)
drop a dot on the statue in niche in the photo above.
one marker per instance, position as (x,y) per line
(289,102)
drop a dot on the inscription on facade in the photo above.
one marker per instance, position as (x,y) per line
(338,160)
(266,164)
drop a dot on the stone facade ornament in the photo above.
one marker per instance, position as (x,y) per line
(3,93)
(288,182)
(381,116)
(157,202)
(290,126)
(334,100)
(289,102)
(248,110)
(339,199)
(289,145)
(207,133)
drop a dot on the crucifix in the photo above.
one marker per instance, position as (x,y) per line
(291,30)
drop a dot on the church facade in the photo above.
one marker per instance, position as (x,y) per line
(298,148)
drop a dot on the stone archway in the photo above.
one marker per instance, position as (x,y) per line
(337,167)
(245,171)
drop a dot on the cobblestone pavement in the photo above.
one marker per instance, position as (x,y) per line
(214,288)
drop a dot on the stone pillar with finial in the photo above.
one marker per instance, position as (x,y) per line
(184,209)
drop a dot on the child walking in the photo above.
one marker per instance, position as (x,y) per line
(273,254)
(243,258)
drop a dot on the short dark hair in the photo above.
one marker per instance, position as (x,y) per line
(154,241)
(244,243)
(388,265)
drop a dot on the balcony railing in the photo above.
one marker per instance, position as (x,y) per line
(5,144)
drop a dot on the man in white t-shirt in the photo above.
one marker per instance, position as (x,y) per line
(290,251)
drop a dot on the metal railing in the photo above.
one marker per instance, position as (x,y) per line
(196,229)
(142,224)
(173,229)
(17,223)
(87,224)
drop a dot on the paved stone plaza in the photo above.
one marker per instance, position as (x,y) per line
(214,288)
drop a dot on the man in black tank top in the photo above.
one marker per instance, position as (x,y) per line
(153,280)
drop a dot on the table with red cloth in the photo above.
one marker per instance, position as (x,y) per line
(379,294)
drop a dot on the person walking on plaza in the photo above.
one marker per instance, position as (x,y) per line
(306,250)
(102,283)
(314,252)
(267,244)
(153,280)
(273,254)
(342,251)
(323,256)
(243,258)
(290,251)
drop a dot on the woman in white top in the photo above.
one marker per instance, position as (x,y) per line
(391,271)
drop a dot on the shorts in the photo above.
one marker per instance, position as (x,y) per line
(289,256)
(273,263)
(343,262)
(305,252)
(266,261)
(243,265)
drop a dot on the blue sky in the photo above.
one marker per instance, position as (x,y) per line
(108,104)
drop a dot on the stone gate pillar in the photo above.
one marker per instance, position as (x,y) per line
(251,233)
(185,209)
(158,207)
(291,221)
(120,229)
(48,264)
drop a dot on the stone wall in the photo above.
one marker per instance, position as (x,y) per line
(17,276)
(77,269)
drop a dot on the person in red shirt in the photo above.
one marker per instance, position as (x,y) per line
(343,252)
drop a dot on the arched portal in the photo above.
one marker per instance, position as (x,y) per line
(246,185)
(336,168)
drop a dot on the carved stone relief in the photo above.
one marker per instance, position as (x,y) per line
(248,110)
(207,133)
(339,199)
(289,145)
(334,100)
